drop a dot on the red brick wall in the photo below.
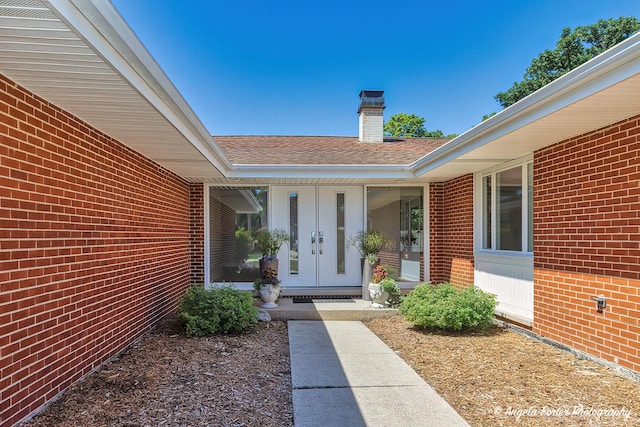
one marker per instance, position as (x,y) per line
(451,227)
(94,249)
(436,236)
(196,247)
(587,242)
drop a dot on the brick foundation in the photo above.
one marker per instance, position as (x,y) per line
(94,249)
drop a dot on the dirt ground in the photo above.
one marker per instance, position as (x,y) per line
(169,379)
(500,378)
(497,378)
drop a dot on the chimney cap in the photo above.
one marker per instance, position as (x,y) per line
(371,98)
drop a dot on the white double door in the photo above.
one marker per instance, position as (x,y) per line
(320,220)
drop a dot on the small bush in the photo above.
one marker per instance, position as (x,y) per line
(390,286)
(221,309)
(447,308)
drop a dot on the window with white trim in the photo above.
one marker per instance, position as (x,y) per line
(507,209)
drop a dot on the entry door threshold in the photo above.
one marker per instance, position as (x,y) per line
(321,291)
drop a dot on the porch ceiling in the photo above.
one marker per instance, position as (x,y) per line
(311,181)
(82,57)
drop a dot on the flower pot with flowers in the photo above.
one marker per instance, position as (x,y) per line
(369,244)
(268,286)
(381,287)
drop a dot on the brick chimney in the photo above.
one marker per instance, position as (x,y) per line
(371,121)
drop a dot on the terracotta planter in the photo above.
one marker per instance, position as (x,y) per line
(378,296)
(269,294)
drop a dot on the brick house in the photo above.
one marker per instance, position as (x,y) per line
(114,198)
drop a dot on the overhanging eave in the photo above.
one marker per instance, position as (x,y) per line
(598,93)
(81,56)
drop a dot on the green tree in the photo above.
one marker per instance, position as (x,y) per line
(410,125)
(574,48)
(403,124)
(487,116)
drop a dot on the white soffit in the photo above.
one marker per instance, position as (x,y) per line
(601,109)
(601,92)
(81,56)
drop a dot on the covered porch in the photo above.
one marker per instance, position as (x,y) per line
(321,222)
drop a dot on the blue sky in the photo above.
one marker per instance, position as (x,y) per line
(296,67)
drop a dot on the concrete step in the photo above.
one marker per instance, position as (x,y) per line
(329,309)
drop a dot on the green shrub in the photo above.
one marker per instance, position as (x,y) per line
(221,309)
(390,286)
(447,308)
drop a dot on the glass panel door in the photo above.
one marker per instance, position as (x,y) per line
(293,209)
(340,216)
(319,221)
(340,240)
(293,233)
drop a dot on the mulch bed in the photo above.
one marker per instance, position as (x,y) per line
(501,378)
(494,378)
(170,379)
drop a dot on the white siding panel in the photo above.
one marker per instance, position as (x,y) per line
(511,279)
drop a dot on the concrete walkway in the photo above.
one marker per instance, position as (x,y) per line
(344,375)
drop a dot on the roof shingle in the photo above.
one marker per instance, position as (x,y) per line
(324,150)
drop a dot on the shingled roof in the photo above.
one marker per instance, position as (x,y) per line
(324,150)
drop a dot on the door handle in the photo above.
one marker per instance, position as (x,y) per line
(320,241)
(313,243)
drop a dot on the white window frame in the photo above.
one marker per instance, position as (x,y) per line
(244,286)
(479,203)
(426,197)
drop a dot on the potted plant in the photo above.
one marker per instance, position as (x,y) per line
(390,286)
(369,244)
(381,288)
(268,286)
(269,243)
(377,294)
